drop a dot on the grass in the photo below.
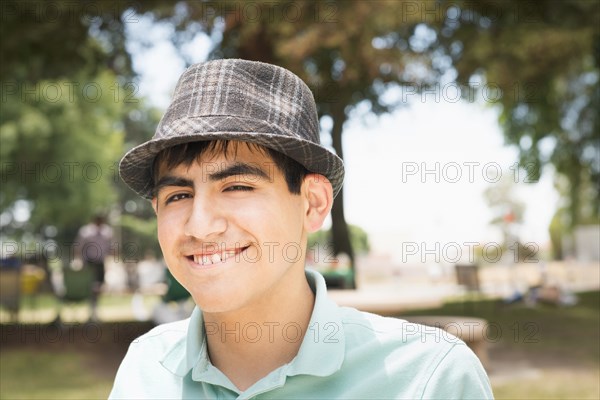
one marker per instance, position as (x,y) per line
(569,333)
(74,361)
(43,308)
(562,384)
(546,352)
(39,374)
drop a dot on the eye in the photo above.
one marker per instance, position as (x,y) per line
(238,188)
(177,197)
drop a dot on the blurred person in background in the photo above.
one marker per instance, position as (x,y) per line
(92,246)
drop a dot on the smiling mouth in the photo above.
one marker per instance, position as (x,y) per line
(216,258)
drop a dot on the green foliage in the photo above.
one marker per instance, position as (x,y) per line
(138,236)
(543,58)
(562,222)
(59,149)
(358,238)
(61,39)
(558,229)
(69,107)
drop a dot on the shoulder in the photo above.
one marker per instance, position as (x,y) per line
(141,373)
(395,331)
(458,375)
(419,361)
(400,343)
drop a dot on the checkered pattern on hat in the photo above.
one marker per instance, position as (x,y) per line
(237,100)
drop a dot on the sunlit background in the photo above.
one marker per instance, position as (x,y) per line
(470,139)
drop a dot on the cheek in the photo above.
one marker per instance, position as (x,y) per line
(166,232)
(288,221)
(161,233)
(163,240)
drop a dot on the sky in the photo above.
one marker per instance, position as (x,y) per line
(416,174)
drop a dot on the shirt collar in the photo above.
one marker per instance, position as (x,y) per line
(190,350)
(321,352)
(323,348)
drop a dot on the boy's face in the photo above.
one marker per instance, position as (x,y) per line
(229,228)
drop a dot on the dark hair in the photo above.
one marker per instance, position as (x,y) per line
(186,153)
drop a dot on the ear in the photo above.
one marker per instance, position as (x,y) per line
(155,205)
(318,195)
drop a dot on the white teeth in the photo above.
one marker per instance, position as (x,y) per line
(213,258)
(209,259)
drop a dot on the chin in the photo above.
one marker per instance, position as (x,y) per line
(216,303)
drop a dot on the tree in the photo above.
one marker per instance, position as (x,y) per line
(58,154)
(544,59)
(62,39)
(358,237)
(542,56)
(67,103)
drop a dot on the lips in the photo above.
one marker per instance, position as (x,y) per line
(206,259)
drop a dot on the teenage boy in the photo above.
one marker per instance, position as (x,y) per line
(238,178)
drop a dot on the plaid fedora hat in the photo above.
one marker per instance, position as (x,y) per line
(239,100)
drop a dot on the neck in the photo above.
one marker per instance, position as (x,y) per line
(249,343)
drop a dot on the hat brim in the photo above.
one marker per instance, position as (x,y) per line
(136,166)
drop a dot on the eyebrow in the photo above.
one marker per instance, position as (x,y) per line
(233,170)
(170,180)
(238,169)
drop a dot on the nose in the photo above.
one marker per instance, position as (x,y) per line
(206,219)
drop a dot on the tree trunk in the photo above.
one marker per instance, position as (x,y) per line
(339,227)
(575,189)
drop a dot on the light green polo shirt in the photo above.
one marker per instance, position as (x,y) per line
(345,354)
